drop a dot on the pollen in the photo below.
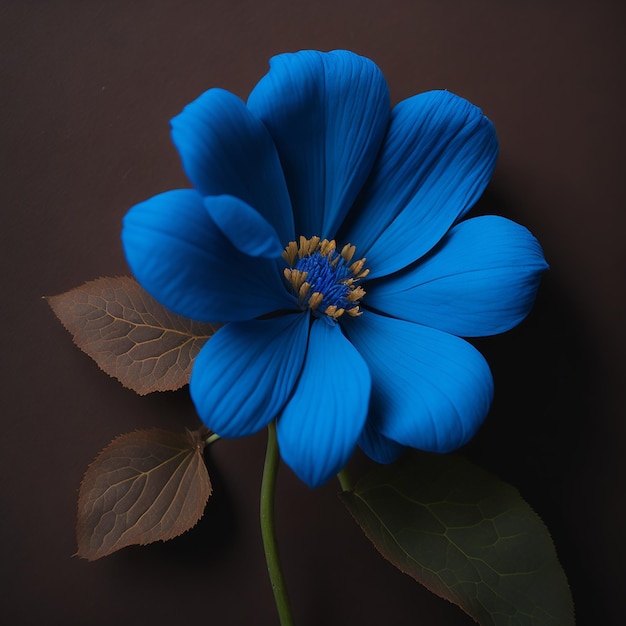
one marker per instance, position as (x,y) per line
(323,278)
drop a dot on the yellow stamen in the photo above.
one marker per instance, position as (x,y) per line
(303,285)
(357,266)
(304,289)
(295,277)
(315,300)
(327,247)
(301,247)
(334,312)
(356,294)
(289,253)
(347,252)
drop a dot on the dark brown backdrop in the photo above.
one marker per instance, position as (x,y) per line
(87,91)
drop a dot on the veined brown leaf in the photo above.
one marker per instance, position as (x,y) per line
(465,535)
(145,486)
(130,335)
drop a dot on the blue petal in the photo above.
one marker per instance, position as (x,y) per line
(226,150)
(437,158)
(430,390)
(244,374)
(248,231)
(327,114)
(376,446)
(181,257)
(481,280)
(320,426)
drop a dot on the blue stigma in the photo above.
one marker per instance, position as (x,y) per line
(325,274)
(325,281)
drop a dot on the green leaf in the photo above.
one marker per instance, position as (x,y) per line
(145,486)
(130,335)
(465,535)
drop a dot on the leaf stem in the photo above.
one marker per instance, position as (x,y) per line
(345,480)
(268,529)
(213,437)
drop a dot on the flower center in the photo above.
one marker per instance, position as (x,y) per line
(325,281)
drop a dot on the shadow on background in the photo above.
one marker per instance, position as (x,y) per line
(549,429)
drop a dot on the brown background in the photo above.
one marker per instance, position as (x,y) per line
(87,91)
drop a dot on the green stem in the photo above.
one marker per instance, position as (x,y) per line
(211,438)
(345,481)
(268,529)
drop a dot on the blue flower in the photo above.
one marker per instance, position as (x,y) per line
(325,230)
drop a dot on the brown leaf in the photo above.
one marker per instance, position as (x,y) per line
(130,335)
(145,486)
